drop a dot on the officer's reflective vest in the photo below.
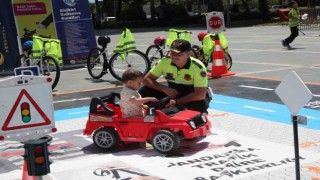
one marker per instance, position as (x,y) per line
(126,42)
(294,21)
(208,44)
(178,34)
(53,48)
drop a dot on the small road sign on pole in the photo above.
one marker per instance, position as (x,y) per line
(295,94)
(26,108)
(215,22)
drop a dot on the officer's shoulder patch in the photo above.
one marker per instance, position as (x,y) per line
(197,64)
(203,73)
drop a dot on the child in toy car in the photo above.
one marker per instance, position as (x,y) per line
(131,102)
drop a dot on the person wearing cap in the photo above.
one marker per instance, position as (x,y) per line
(186,77)
(294,20)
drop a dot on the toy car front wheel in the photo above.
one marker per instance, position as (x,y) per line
(165,141)
(105,138)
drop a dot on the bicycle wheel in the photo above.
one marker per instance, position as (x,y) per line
(95,63)
(133,59)
(228,60)
(23,58)
(154,53)
(50,67)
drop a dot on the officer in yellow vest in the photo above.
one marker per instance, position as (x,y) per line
(294,19)
(186,77)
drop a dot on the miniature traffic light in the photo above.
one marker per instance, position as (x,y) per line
(25,112)
(37,157)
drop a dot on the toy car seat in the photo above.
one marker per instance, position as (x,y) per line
(103,40)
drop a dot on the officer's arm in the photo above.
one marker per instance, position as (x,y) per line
(150,80)
(293,15)
(198,94)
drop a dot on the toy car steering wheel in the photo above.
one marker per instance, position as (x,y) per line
(161,103)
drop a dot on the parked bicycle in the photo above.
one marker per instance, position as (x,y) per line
(99,62)
(158,49)
(206,59)
(48,65)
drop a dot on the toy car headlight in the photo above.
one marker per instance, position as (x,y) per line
(193,126)
(204,117)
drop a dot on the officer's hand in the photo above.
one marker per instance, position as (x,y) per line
(171,92)
(171,102)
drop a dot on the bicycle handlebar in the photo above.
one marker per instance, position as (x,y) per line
(45,41)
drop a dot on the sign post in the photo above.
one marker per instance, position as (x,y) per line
(215,22)
(27,111)
(295,95)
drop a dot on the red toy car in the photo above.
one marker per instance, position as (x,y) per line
(162,127)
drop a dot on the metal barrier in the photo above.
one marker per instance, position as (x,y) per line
(313,20)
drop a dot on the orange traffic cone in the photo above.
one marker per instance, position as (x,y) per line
(25,175)
(219,67)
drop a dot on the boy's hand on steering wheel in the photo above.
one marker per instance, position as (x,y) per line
(153,99)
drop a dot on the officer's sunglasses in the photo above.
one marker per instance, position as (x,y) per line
(176,54)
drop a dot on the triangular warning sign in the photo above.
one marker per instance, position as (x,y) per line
(14,108)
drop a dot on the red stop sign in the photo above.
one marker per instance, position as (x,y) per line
(215,22)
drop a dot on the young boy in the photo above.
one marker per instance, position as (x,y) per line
(131,102)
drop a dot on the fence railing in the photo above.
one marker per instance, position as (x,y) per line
(313,20)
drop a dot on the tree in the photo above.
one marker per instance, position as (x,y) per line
(215,5)
(119,7)
(264,10)
(245,5)
(152,10)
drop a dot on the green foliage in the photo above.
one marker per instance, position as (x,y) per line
(264,10)
(132,14)
(173,11)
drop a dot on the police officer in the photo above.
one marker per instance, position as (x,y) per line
(186,77)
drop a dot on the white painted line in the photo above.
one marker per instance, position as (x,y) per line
(267,110)
(272,70)
(14,158)
(67,155)
(316,95)
(79,112)
(19,163)
(220,102)
(58,142)
(313,117)
(11,147)
(255,87)
(68,100)
(314,107)
(88,138)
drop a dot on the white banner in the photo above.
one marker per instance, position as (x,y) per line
(218,156)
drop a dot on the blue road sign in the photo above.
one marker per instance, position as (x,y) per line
(30,70)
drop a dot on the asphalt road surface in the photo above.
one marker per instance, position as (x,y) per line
(259,63)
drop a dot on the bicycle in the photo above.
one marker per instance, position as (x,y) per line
(157,50)
(98,61)
(48,65)
(201,55)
